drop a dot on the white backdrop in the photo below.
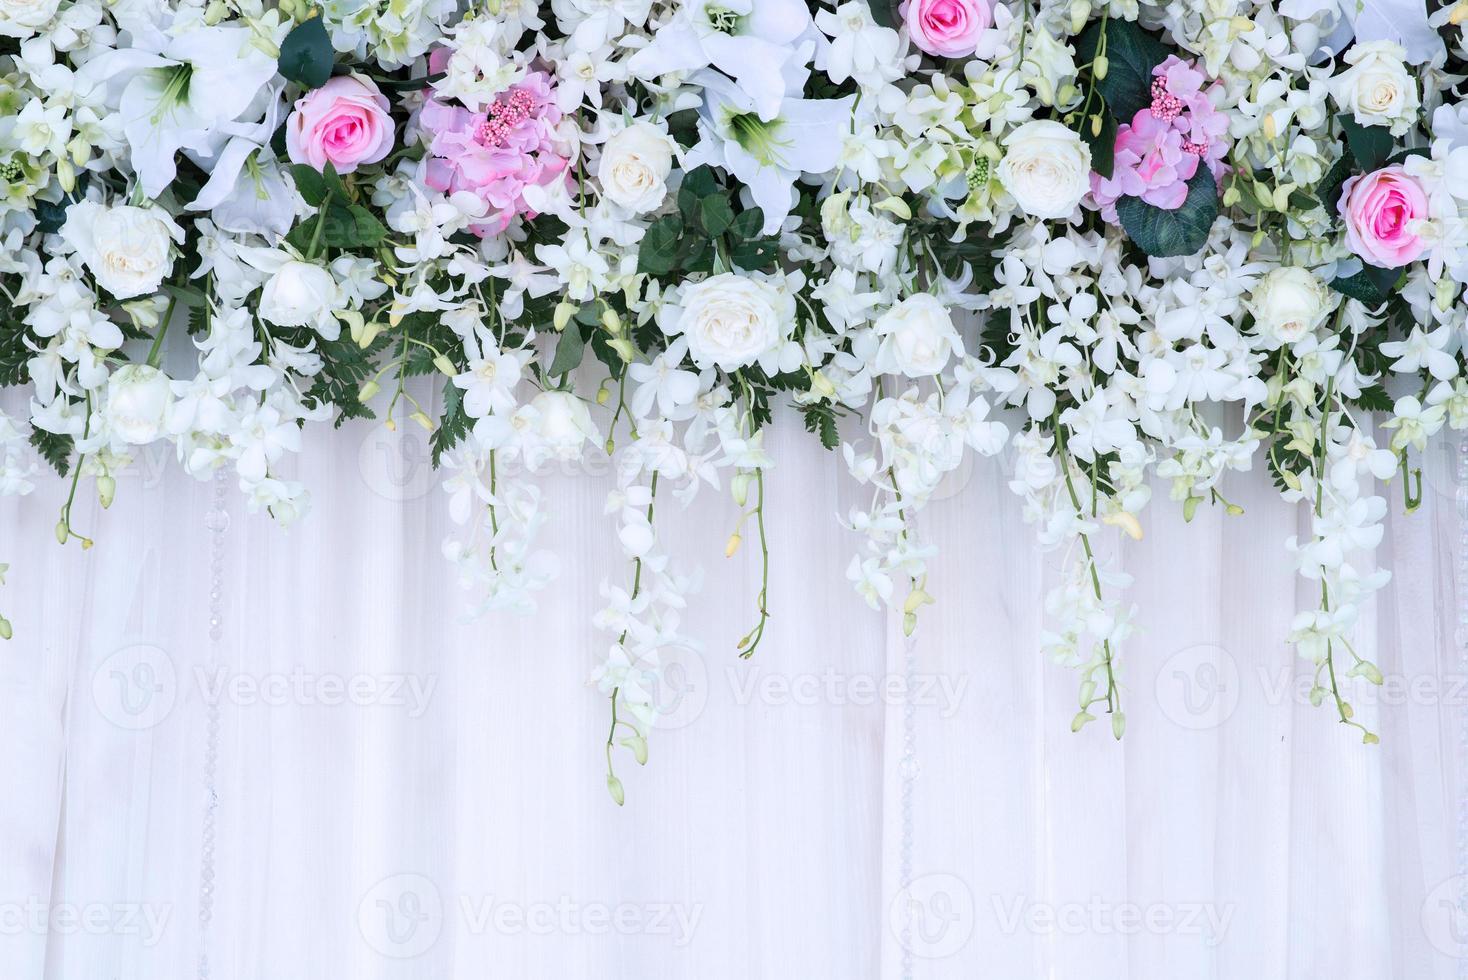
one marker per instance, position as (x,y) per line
(401,794)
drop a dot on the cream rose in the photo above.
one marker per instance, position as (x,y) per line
(1046,168)
(634,167)
(128,250)
(138,397)
(299,295)
(22,18)
(1377,89)
(1289,304)
(731,320)
(918,337)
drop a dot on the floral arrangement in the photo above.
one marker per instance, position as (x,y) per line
(1135,243)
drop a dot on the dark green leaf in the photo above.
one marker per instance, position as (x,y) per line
(1372,285)
(1131,54)
(569,349)
(306,55)
(658,253)
(453,426)
(310,183)
(54,449)
(1182,231)
(1328,191)
(882,13)
(1102,144)
(715,214)
(1370,145)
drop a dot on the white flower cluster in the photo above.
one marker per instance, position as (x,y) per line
(1132,245)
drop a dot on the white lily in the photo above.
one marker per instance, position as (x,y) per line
(247,190)
(767,154)
(181,95)
(766,45)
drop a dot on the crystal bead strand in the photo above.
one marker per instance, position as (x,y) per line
(908,770)
(217,521)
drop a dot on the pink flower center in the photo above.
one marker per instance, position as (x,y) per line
(503,118)
(1165,105)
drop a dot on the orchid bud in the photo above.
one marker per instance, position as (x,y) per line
(62,532)
(215,13)
(369,334)
(5,630)
(368,391)
(423,420)
(603,395)
(638,745)
(390,424)
(1190,507)
(624,349)
(909,624)
(445,366)
(1080,720)
(66,175)
(1100,67)
(1118,725)
(732,545)
(739,487)
(106,490)
(611,321)
(614,786)
(564,311)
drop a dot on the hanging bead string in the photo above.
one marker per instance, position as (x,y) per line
(217,521)
(908,770)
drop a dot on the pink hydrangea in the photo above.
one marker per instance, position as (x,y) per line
(496,154)
(1159,151)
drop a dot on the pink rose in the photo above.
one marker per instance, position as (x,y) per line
(947,28)
(1379,209)
(344,123)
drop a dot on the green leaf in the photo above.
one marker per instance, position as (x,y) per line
(1182,231)
(453,425)
(1131,54)
(882,13)
(1370,145)
(1372,285)
(697,184)
(54,449)
(310,183)
(569,349)
(820,418)
(1328,191)
(351,227)
(306,55)
(658,253)
(715,214)
(1102,144)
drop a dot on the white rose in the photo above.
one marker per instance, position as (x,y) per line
(1289,304)
(562,423)
(1377,88)
(918,337)
(128,250)
(300,295)
(1046,168)
(138,397)
(22,18)
(634,167)
(732,320)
